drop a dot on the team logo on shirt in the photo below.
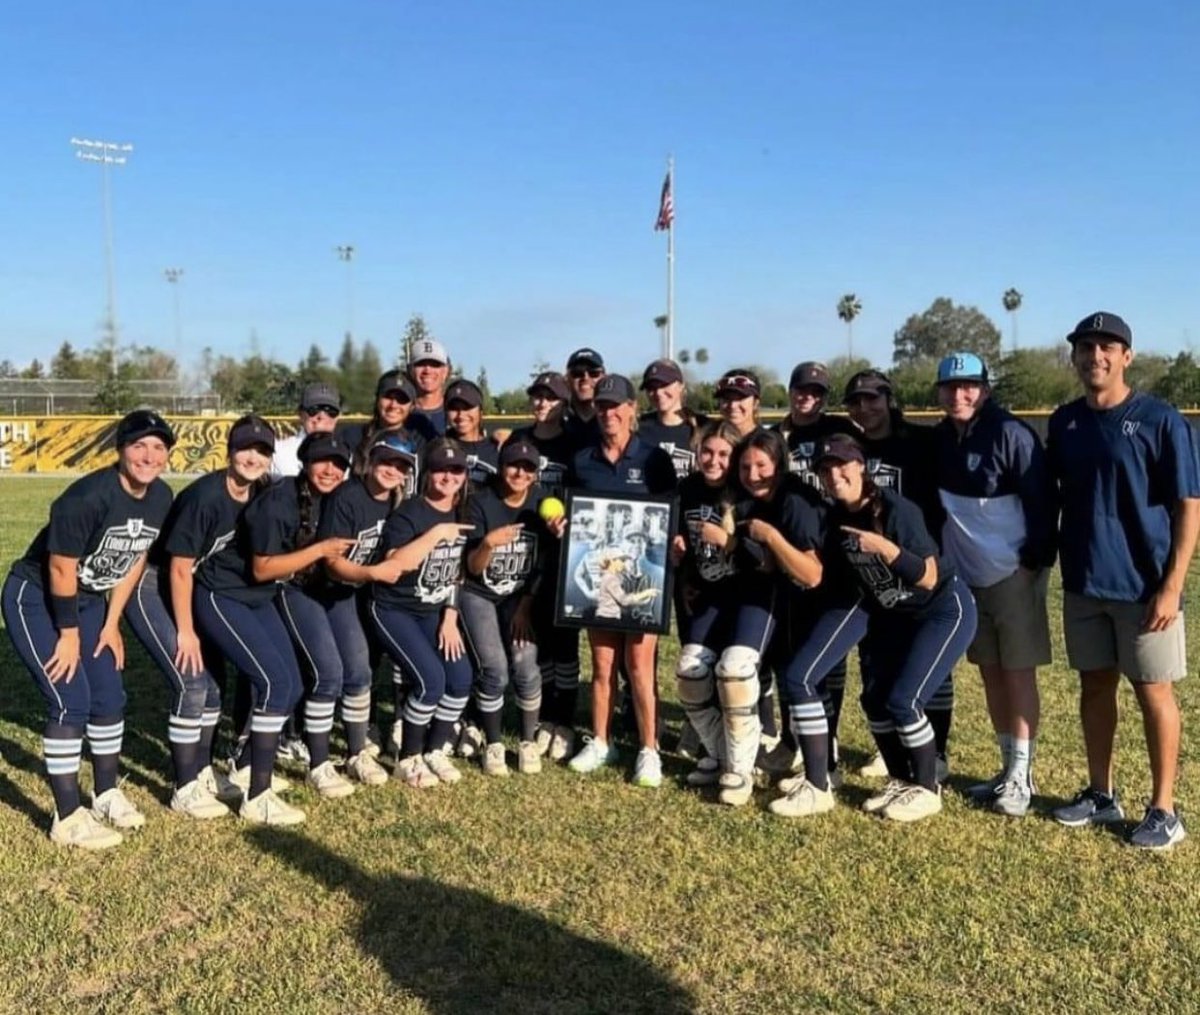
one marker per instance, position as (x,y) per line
(683,458)
(510,564)
(113,559)
(552,475)
(712,564)
(875,575)
(219,544)
(635,475)
(973,461)
(479,469)
(440,572)
(886,477)
(1130,427)
(366,543)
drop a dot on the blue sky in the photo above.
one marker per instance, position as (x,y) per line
(497,167)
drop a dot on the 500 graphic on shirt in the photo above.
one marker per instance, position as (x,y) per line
(119,548)
(510,564)
(878,578)
(365,544)
(440,572)
(711,563)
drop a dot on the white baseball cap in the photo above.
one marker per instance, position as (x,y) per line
(430,350)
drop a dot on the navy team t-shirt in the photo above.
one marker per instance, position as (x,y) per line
(1120,473)
(513,566)
(707,566)
(350,512)
(97,522)
(675,439)
(797,514)
(435,581)
(555,455)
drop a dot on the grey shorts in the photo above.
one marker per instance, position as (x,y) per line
(1104,634)
(1014,627)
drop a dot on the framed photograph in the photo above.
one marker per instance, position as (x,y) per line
(615,570)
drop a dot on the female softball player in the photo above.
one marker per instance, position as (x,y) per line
(395,397)
(670,423)
(738,394)
(505,554)
(69,639)
(464,419)
(921,619)
(416,615)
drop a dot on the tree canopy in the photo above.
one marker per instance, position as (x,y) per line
(945,328)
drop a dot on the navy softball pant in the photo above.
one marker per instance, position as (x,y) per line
(329,640)
(488,627)
(254,638)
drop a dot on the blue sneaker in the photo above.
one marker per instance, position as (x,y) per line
(1159,830)
(1090,807)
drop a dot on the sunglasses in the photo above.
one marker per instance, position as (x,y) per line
(396,396)
(581,372)
(522,466)
(332,411)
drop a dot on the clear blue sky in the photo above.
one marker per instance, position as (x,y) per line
(497,167)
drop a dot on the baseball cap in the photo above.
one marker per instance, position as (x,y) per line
(320,393)
(585,358)
(809,374)
(1103,323)
(962,366)
(840,447)
(318,447)
(143,423)
(250,431)
(867,382)
(614,388)
(519,450)
(445,454)
(660,372)
(395,447)
(394,382)
(550,381)
(466,392)
(429,350)
(739,383)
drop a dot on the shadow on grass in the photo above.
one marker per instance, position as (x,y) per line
(11,794)
(461,952)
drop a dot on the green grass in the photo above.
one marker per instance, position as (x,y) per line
(560,893)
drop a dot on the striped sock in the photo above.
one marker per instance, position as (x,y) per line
(356,713)
(104,743)
(810,727)
(62,747)
(264,739)
(318,725)
(183,734)
(491,711)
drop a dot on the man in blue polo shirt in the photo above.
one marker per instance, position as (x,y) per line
(1129,488)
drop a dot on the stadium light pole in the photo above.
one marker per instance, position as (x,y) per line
(345,253)
(173,275)
(106,154)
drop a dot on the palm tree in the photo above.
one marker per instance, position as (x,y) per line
(684,356)
(660,322)
(848,308)
(702,355)
(1012,303)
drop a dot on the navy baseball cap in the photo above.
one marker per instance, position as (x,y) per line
(445,454)
(661,373)
(394,382)
(550,381)
(393,446)
(840,447)
(320,393)
(251,431)
(585,358)
(867,382)
(1103,324)
(809,374)
(519,450)
(466,392)
(739,384)
(318,447)
(613,388)
(962,366)
(144,423)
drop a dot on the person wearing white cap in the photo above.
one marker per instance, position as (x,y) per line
(429,368)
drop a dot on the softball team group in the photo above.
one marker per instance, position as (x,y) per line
(419,538)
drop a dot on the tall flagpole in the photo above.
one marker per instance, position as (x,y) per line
(669,352)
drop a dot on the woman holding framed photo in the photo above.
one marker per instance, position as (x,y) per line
(620,463)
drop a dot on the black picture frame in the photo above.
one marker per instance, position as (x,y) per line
(601,544)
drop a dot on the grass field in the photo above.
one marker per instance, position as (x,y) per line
(560,893)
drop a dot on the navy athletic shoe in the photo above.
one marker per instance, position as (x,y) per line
(1090,807)
(1159,829)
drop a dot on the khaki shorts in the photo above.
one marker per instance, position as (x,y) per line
(1103,634)
(1014,628)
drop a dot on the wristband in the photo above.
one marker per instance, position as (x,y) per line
(65,611)
(908,567)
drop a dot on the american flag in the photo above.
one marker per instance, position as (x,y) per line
(666,206)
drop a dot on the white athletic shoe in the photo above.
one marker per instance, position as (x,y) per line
(493,762)
(268,809)
(374,741)
(912,804)
(292,749)
(363,767)
(218,784)
(471,741)
(803,801)
(706,773)
(736,790)
(647,770)
(878,802)
(529,758)
(240,777)
(114,807)
(82,830)
(594,755)
(439,764)
(194,801)
(413,772)
(779,760)
(562,743)
(543,738)
(329,782)
(876,768)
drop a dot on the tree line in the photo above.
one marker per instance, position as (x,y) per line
(1028,378)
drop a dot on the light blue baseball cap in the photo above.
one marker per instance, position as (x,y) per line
(962,366)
